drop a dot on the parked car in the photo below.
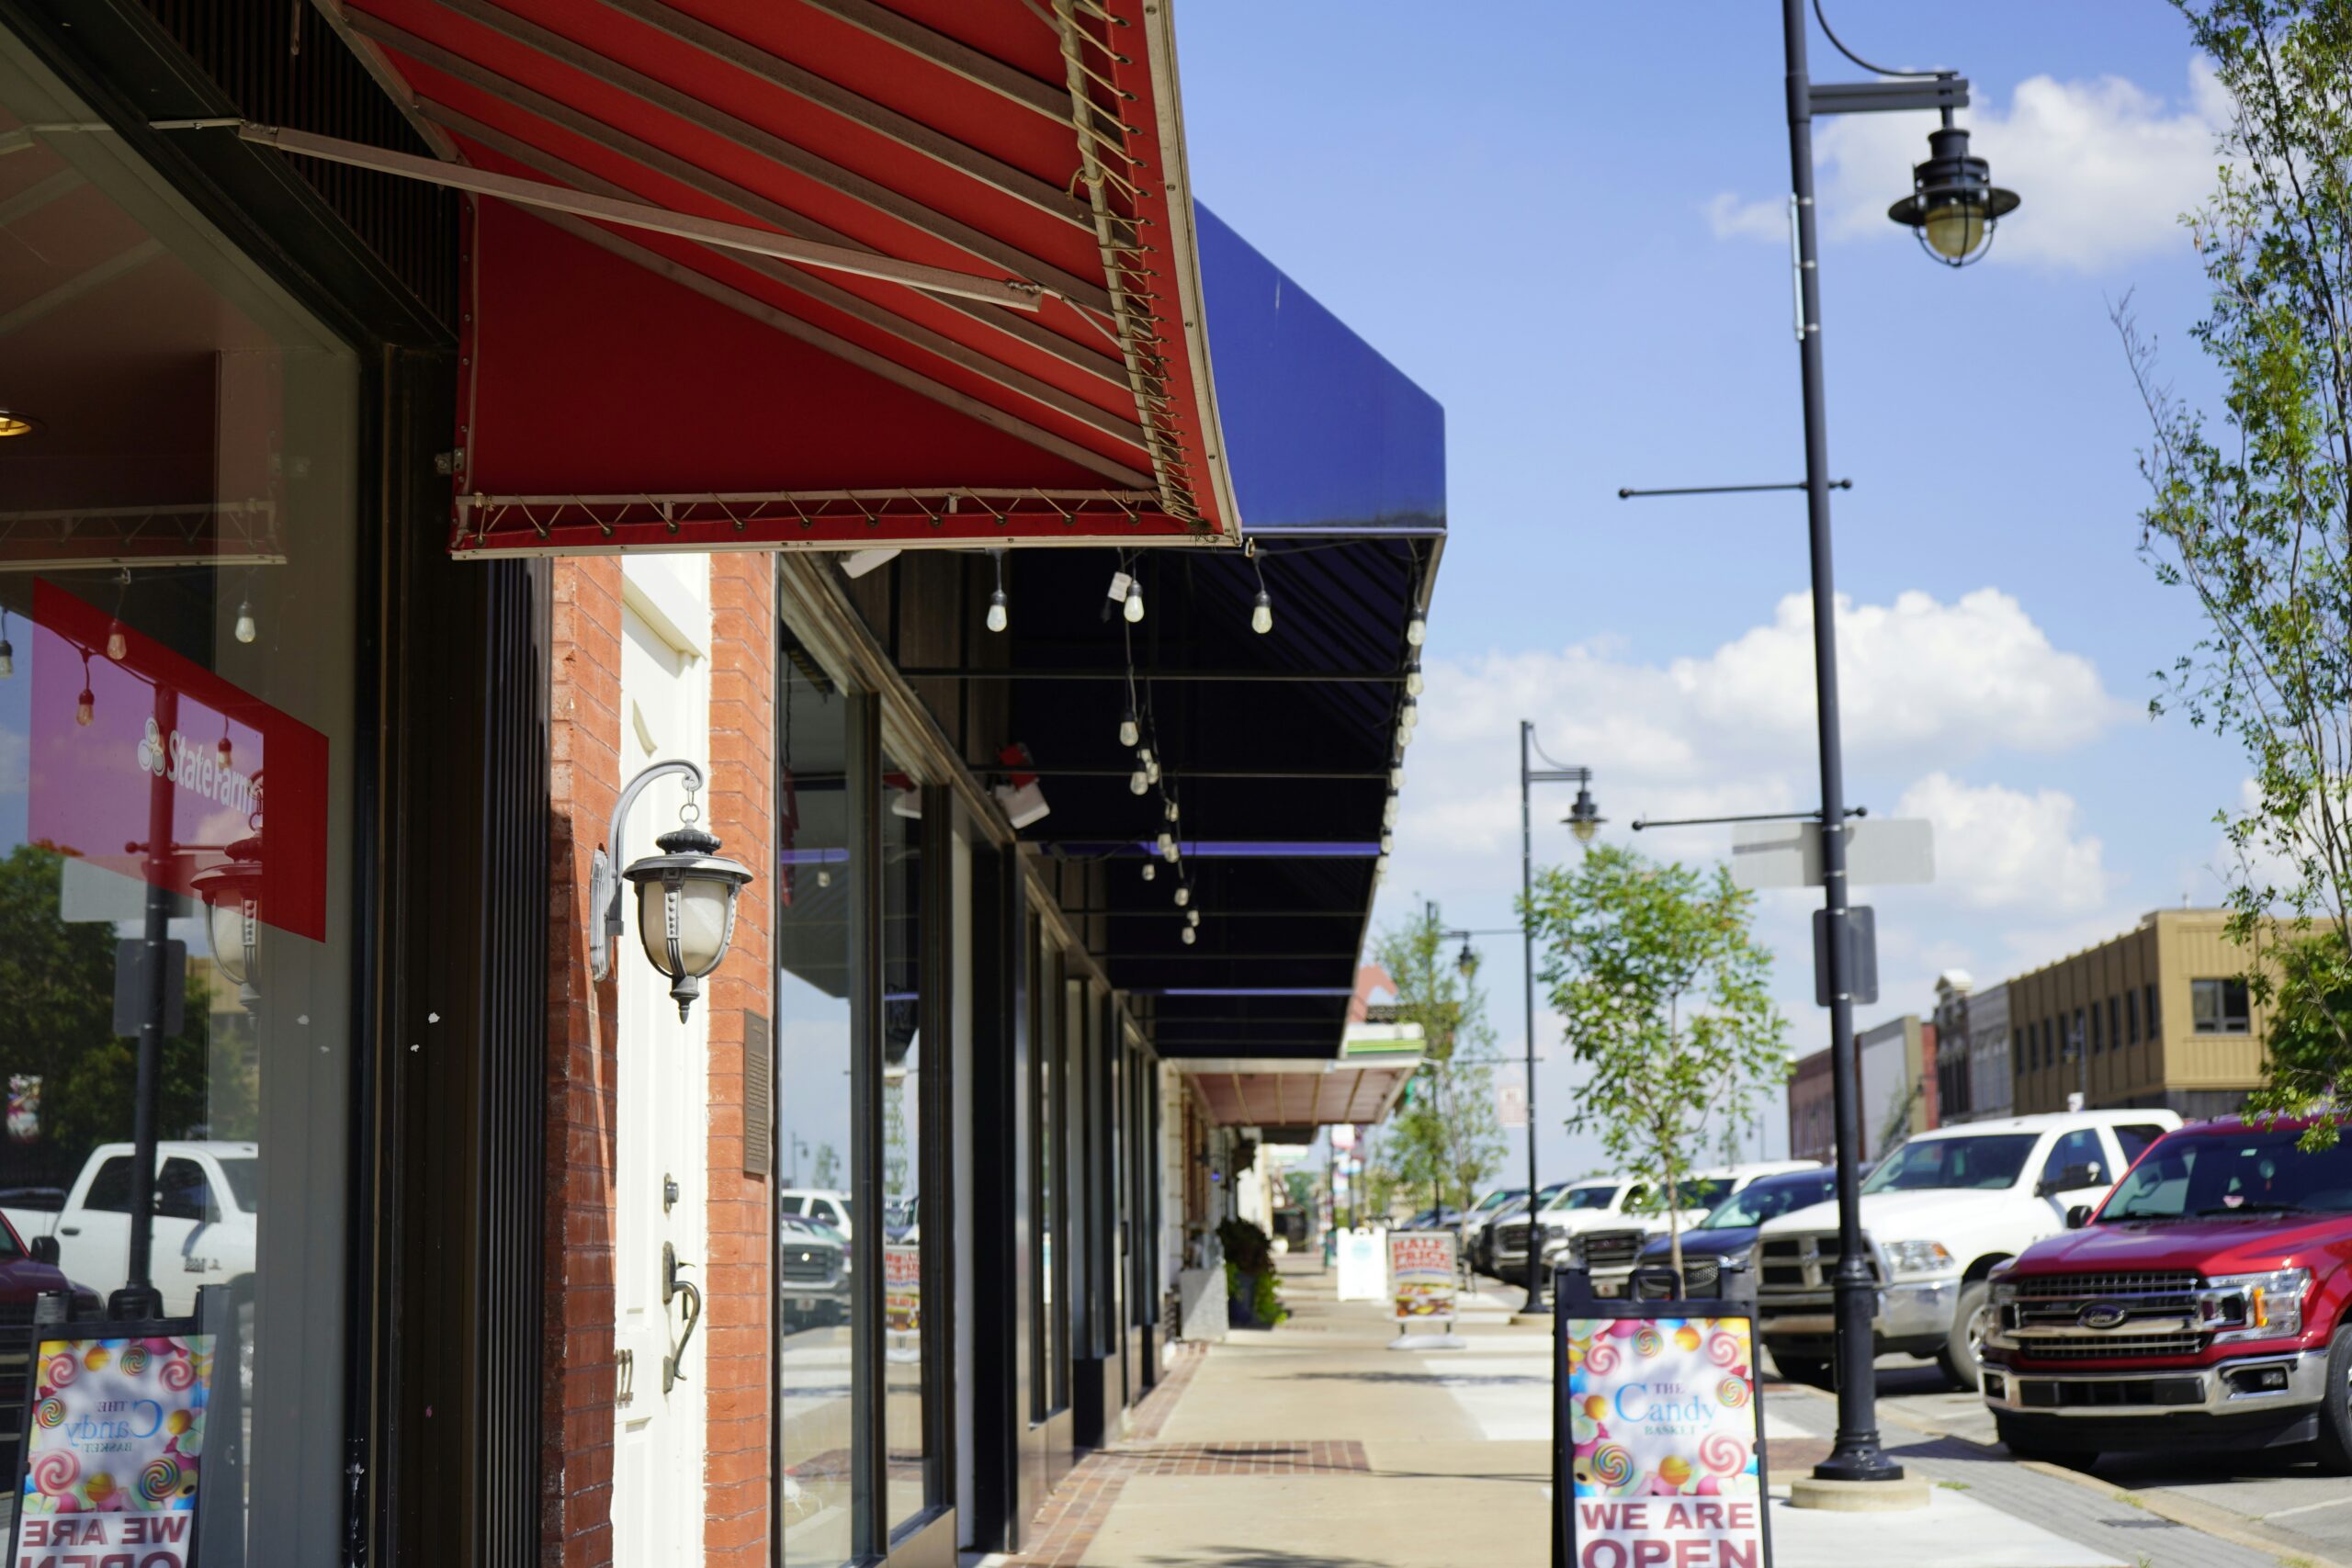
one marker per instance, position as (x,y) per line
(812,1273)
(205,1229)
(1607,1251)
(1443,1217)
(2207,1303)
(1485,1252)
(826,1205)
(1939,1215)
(1725,1239)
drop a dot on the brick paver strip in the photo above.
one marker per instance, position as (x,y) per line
(1074,1514)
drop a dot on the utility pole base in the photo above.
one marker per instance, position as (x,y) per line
(1539,1319)
(1858,1496)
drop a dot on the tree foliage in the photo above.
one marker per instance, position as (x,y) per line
(2251,511)
(1447,1138)
(1655,970)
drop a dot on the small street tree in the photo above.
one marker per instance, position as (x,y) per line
(2253,514)
(1448,1136)
(1654,971)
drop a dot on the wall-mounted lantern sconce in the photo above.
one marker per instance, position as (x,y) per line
(685,895)
(232,895)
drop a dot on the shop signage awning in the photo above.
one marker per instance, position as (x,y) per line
(761,274)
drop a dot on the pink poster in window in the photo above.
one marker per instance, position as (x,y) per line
(119,744)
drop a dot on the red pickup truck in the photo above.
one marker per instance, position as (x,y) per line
(2203,1305)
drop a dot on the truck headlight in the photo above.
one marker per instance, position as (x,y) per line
(2003,1292)
(1918,1257)
(2255,1306)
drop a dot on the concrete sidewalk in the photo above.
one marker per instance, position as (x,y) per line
(1316,1446)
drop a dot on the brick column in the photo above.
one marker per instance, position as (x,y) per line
(737,1427)
(584,733)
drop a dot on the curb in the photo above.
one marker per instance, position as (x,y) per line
(2206,1519)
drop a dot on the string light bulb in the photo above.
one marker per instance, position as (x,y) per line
(1389,813)
(1133,612)
(1417,630)
(7,653)
(1149,870)
(1130,731)
(118,645)
(1413,681)
(1262,614)
(1396,778)
(1410,714)
(1190,935)
(1388,842)
(1168,848)
(1000,615)
(246,630)
(1151,767)
(86,708)
(1183,897)
(1172,812)
(1137,783)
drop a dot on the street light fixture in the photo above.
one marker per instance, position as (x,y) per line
(685,895)
(232,895)
(1584,818)
(1953,205)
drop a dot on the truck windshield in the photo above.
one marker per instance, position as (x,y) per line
(1764,1200)
(1585,1198)
(243,1174)
(2213,1174)
(1988,1163)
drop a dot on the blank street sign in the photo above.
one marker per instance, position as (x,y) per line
(1510,1103)
(1881,852)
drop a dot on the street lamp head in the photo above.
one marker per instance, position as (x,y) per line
(1953,205)
(1584,818)
(231,895)
(685,908)
(1468,960)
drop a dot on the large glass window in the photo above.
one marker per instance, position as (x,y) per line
(905,1301)
(818,1494)
(178,540)
(1044,1035)
(2219,1007)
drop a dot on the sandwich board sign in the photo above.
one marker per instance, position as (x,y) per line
(1657,1434)
(1422,1280)
(112,1465)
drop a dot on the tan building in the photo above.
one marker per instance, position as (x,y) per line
(2155,1017)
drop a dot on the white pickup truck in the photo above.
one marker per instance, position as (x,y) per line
(1937,1214)
(207,1195)
(1607,1245)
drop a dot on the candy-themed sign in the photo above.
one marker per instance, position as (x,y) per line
(902,1289)
(1421,1276)
(114,1452)
(1665,1434)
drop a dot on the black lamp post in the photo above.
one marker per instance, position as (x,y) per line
(1584,820)
(1954,206)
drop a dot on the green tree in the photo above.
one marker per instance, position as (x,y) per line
(1655,973)
(1447,1136)
(2251,513)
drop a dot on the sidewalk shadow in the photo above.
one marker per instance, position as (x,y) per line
(1437,1377)
(1259,1557)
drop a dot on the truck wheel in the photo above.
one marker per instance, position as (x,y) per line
(2335,1407)
(2022,1446)
(1964,1344)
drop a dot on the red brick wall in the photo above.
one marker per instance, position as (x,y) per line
(576,1468)
(736,1331)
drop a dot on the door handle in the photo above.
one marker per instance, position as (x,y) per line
(69,1230)
(672,1287)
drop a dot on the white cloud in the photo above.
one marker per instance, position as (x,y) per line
(2105,169)
(1731,219)
(2002,849)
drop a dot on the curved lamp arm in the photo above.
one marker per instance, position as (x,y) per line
(604,923)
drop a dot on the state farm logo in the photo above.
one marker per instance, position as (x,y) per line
(204,772)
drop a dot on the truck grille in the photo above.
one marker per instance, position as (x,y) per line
(2081,1287)
(813,1267)
(1612,1250)
(1511,1237)
(2112,1347)
(1788,1263)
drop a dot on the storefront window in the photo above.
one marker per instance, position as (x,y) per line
(1044,972)
(818,1494)
(905,1301)
(178,540)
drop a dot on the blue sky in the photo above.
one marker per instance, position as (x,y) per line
(1566,222)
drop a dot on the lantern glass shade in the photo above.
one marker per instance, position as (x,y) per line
(706,918)
(229,926)
(1955,229)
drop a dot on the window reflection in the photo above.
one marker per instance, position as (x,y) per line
(904,1302)
(818,1491)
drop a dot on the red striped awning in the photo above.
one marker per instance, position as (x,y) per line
(1000,342)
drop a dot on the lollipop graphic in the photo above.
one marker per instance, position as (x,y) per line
(52,1411)
(60,1371)
(1731,1393)
(134,1359)
(1647,1343)
(101,1489)
(1723,1454)
(1602,1357)
(1724,1351)
(160,1482)
(1612,1466)
(53,1472)
(177,1374)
